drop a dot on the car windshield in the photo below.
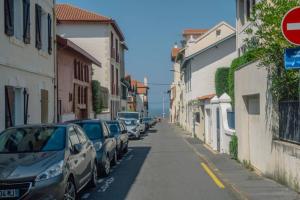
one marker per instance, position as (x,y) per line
(92,130)
(130,122)
(114,129)
(147,119)
(128,115)
(40,139)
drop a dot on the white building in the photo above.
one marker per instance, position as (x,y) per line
(203,56)
(27,62)
(101,37)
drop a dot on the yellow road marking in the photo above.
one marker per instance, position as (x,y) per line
(213,176)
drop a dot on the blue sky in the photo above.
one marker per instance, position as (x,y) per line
(151,28)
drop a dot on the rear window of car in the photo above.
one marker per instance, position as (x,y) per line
(92,130)
(114,129)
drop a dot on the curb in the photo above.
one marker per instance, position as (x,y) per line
(239,194)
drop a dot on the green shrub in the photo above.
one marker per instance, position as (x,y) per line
(221,81)
(233,147)
(248,57)
(97,103)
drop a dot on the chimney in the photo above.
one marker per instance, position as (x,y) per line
(145,81)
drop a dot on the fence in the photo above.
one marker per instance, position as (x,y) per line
(289,121)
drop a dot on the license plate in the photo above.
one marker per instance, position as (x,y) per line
(11,193)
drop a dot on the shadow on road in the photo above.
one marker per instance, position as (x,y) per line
(119,183)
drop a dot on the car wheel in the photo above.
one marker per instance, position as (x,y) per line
(126,148)
(106,167)
(94,178)
(115,159)
(70,191)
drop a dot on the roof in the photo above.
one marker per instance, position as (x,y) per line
(68,43)
(174,53)
(194,31)
(207,97)
(66,13)
(141,87)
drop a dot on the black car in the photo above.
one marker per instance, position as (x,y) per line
(148,122)
(119,131)
(45,162)
(98,132)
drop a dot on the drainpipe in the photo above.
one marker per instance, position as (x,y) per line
(55,115)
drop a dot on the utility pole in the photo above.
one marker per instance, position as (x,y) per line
(164,105)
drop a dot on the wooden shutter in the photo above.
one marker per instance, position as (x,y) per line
(9,106)
(26,99)
(9,17)
(26,21)
(44,106)
(38,26)
(49,34)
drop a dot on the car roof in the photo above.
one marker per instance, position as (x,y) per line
(39,126)
(84,121)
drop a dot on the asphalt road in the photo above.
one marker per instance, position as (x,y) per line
(160,166)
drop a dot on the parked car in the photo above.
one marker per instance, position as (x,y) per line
(132,128)
(119,131)
(148,122)
(132,115)
(46,162)
(106,146)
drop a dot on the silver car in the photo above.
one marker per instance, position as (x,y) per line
(133,128)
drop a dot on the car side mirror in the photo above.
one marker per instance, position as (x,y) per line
(77,148)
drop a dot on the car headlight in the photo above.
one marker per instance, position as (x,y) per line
(98,146)
(51,172)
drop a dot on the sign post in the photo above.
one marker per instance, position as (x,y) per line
(290,27)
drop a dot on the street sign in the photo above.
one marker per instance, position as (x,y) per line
(292,58)
(291,26)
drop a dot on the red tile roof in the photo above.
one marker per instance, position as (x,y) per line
(194,31)
(66,13)
(174,53)
(207,97)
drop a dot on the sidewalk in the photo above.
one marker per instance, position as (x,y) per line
(247,184)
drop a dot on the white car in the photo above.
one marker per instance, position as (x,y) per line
(133,128)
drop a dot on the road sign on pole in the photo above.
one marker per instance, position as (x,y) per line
(290,26)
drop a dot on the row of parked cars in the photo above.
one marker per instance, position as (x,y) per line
(58,161)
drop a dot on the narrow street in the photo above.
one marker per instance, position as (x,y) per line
(160,166)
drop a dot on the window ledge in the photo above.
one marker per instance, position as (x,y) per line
(43,54)
(17,42)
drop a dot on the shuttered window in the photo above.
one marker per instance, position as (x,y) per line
(9,17)
(49,34)
(38,26)
(26,21)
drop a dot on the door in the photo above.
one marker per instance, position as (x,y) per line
(44,106)
(218,129)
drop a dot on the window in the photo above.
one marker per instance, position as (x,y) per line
(112,80)
(117,81)
(248,9)
(241,12)
(43,29)
(73,136)
(117,50)
(18,19)
(81,135)
(112,45)
(75,69)
(197,117)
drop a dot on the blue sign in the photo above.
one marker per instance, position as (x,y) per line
(292,58)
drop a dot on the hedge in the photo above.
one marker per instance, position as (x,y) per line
(97,103)
(248,57)
(221,81)
(233,147)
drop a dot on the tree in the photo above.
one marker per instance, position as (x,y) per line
(266,37)
(97,101)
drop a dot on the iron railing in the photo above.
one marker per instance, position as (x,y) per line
(289,121)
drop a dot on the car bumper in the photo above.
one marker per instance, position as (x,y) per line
(133,135)
(52,189)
